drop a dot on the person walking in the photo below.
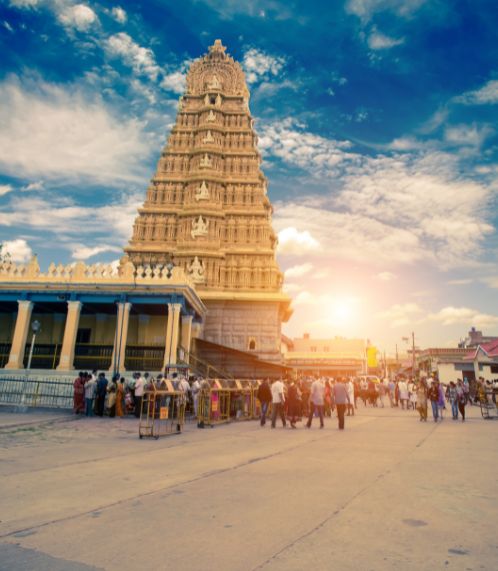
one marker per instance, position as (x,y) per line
(422,400)
(317,396)
(341,398)
(403,394)
(196,389)
(350,388)
(461,398)
(278,400)
(90,389)
(264,395)
(433,395)
(441,403)
(293,404)
(453,398)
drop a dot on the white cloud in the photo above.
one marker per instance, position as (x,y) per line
(379,41)
(80,17)
(174,81)
(297,271)
(288,141)
(464,315)
(292,241)
(8,27)
(486,95)
(141,60)
(468,135)
(33,186)
(63,218)
(396,208)
(386,276)
(119,14)
(24,3)
(18,250)
(81,252)
(53,132)
(228,9)
(365,9)
(5,189)
(258,65)
(401,314)
(292,288)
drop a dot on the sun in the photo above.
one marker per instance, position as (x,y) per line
(342,311)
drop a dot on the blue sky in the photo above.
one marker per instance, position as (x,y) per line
(377,121)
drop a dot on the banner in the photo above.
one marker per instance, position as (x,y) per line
(372,357)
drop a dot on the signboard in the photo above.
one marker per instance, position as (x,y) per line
(372,357)
(163,413)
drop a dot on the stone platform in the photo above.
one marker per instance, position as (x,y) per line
(387,493)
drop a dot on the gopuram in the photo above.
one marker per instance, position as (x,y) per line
(207,211)
(199,281)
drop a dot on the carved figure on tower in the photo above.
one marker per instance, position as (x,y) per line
(199,227)
(203,192)
(196,271)
(205,162)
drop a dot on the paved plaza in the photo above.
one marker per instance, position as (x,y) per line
(387,493)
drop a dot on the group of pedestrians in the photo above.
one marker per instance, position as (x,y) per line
(294,401)
(306,399)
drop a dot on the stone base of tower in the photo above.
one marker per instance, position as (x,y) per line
(250,322)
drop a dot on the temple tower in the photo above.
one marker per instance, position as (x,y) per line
(207,210)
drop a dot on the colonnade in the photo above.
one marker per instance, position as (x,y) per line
(178,332)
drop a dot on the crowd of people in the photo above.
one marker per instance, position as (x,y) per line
(94,394)
(290,400)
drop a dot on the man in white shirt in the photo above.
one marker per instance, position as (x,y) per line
(317,395)
(139,393)
(278,400)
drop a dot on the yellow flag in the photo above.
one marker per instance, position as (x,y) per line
(372,356)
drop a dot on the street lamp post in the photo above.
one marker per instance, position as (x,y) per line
(407,340)
(35,328)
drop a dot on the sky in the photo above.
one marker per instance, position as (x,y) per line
(377,122)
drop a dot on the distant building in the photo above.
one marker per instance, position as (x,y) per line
(335,357)
(476,338)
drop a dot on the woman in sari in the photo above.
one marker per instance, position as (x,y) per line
(120,396)
(79,394)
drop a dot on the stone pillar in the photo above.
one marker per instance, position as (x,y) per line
(66,362)
(186,336)
(121,337)
(21,330)
(172,331)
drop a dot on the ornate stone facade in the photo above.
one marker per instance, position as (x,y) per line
(207,209)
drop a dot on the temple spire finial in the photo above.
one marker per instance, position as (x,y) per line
(217,48)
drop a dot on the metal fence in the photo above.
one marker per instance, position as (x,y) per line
(55,392)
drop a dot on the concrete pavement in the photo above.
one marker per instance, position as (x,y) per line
(387,493)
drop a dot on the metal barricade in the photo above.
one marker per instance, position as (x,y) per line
(214,403)
(163,412)
(241,400)
(36,391)
(488,399)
